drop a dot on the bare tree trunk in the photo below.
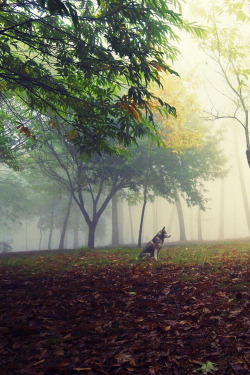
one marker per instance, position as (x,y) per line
(156,229)
(181,219)
(51,224)
(76,228)
(191,223)
(145,193)
(131,225)
(26,234)
(65,242)
(40,239)
(91,237)
(120,222)
(222,209)
(115,228)
(199,224)
(65,223)
(141,222)
(242,185)
(235,221)
(171,217)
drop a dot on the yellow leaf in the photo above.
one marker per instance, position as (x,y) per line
(157,67)
(136,114)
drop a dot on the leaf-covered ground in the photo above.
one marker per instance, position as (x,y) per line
(103,312)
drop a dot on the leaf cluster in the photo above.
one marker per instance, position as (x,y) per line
(90,63)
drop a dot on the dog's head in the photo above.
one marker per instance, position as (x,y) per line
(164,233)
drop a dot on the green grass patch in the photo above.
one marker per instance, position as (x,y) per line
(217,254)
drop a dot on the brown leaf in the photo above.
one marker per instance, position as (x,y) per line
(39,362)
(82,368)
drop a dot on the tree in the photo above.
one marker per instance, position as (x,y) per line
(180,218)
(65,222)
(94,180)
(90,63)
(176,132)
(12,144)
(170,174)
(242,183)
(115,225)
(46,201)
(15,198)
(227,46)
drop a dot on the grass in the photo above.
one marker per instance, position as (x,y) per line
(215,254)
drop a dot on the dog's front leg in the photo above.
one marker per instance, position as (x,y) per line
(156,254)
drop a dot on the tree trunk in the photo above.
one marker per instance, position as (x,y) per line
(76,228)
(156,229)
(40,239)
(246,129)
(242,184)
(181,219)
(145,193)
(51,224)
(65,223)
(222,208)
(142,216)
(91,238)
(191,223)
(26,234)
(120,222)
(171,218)
(66,237)
(131,225)
(199,224)
(115,228)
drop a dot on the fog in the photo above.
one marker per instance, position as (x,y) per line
(225,213)
(227,191)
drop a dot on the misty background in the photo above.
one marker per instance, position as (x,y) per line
(225,214)
(225,205)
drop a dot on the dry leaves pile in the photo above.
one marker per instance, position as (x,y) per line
(118,319)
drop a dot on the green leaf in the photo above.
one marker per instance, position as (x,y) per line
(206,368)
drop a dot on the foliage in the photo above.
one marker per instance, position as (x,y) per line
(170,172)
(227,46)
(176,132)
(95,179)
(238,8)
(15,198)
(206,368)
(11,144)
(161,317)
(99,178)
(90,63)
(179,166)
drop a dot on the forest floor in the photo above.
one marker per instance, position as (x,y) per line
(105,312)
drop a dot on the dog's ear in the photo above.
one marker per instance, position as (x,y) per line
(163,228)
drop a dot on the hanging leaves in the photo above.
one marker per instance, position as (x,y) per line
(80,61)
(25,130)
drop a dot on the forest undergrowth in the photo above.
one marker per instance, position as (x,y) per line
(105,312)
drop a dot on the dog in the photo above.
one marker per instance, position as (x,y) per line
(153,248)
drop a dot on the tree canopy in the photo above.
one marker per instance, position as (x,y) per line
(90,63)
(227,45)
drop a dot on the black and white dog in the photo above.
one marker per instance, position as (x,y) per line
(153,248)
